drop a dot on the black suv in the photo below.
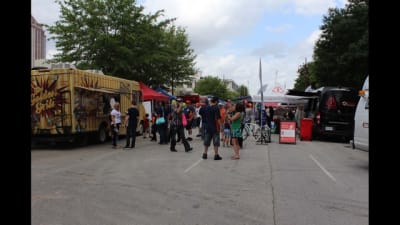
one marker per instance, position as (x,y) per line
(332,110)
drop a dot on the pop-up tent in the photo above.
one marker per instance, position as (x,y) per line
(150,94)
(164,92)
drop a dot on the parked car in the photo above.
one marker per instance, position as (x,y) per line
(333,112)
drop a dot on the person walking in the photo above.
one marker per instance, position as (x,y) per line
(131,121)
(176,127)
(212,128)
(115,124)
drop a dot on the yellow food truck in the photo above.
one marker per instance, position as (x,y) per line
(71,105)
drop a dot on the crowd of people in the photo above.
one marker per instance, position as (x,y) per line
(215,122)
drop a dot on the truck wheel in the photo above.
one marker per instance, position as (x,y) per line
(102,135)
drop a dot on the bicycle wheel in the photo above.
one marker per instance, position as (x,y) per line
(257,133)
(245,133)
(268,135)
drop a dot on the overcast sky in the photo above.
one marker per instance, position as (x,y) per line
(229,37)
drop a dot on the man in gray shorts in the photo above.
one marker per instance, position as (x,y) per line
(212,128)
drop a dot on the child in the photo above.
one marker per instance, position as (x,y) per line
(153,127)
(227,133)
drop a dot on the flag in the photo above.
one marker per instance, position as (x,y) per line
(262,89)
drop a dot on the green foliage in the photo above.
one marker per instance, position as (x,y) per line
(118,38)
(306,76)
(243,91)
(231,94)
(341,53)
(211,86)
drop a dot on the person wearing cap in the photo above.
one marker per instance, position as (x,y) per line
(131,121)
(212,128)
(176,127)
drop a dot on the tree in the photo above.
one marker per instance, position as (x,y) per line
(211,86)
(306,76)
(178,70)
(341,53)
(243,91)
(118,38)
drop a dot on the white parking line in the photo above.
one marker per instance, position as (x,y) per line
(323,169)
(194,164)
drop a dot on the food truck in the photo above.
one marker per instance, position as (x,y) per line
(71,105)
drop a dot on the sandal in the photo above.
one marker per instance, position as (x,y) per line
(235,157)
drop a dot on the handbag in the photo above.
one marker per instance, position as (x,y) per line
(184,121)
(160,120)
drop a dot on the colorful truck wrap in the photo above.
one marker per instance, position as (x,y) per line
(70,104)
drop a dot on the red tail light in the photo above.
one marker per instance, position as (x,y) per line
(318,118)
(331,103)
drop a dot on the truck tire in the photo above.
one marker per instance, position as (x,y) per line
(102,134)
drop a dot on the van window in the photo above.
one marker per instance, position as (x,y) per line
(339,99)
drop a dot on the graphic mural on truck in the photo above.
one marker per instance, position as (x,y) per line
(46,102)
(89,103)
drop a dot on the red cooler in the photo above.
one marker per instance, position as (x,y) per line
(306,125)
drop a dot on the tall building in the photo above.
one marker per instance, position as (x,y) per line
(38,43)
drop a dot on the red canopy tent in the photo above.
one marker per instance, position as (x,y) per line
(150,94)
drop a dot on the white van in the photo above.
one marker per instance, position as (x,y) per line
(361,119)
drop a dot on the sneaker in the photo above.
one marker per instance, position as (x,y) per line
(204,156)
(217,157)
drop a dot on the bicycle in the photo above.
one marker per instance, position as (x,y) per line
(264,135)
(250,129)
(260,134)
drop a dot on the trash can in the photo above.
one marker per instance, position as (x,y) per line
(306,126)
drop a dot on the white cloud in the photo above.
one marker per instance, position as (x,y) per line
(312,39)
(279,29)
(271,49)
(208,22)
(311,7)
(244,68)
(45,11)
(214,26)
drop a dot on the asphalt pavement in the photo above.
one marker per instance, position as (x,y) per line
(307,183)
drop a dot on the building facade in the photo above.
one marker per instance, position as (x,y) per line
(38,43)
(231,85)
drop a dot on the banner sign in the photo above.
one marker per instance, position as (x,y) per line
(288,132)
